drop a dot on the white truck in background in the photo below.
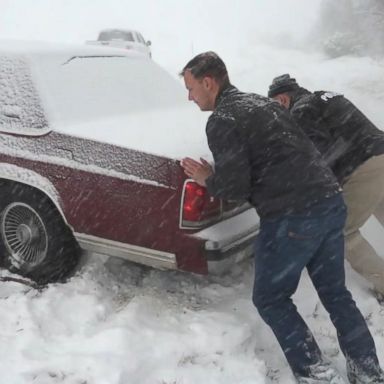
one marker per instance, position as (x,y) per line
(123,38)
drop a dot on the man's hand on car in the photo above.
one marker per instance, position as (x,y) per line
(197,171)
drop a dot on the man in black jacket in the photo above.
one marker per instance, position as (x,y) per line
(261,156)
(354,149)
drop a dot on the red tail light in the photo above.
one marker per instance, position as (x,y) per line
(198,208)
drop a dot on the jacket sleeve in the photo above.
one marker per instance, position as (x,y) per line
(232,177)
(308,116)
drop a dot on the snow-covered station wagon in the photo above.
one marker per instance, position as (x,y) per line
(90,143)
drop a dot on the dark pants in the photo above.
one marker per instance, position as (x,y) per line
(312,240)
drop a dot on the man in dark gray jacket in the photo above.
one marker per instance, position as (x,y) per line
(261,156)
(354,149)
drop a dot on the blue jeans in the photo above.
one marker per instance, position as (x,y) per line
(313,240)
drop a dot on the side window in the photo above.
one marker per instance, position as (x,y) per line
(141,38)
(20,106)
(128,36)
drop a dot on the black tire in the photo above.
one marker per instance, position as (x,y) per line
(35,242)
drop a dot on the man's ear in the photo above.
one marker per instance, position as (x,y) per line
(283,99)
(286,100)
(207,82)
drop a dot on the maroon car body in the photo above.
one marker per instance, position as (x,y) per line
(120,191)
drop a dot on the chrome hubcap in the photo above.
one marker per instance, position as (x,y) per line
(24,235)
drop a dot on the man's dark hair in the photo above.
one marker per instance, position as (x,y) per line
(207,64)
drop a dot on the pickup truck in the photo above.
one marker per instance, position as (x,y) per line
(123,38)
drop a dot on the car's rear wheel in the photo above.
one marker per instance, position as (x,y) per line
(34,240)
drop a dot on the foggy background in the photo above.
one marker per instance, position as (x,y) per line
(177,29)
(180,29)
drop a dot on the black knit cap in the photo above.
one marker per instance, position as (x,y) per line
(281,84)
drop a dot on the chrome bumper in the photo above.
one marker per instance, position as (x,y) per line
(230,241)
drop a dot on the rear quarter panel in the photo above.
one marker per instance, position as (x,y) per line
(112,192)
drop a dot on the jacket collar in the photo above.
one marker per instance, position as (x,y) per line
(297,95)
(225,91)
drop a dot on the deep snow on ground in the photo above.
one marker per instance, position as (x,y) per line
(117,323)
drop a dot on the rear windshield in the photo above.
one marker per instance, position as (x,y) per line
(85,88)
(116,35)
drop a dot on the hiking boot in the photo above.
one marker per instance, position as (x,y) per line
(321,373)
(367,373)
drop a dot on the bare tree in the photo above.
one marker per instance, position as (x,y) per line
(352,27)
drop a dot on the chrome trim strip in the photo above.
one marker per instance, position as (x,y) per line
(141,255)
(181,205)
(200,224)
